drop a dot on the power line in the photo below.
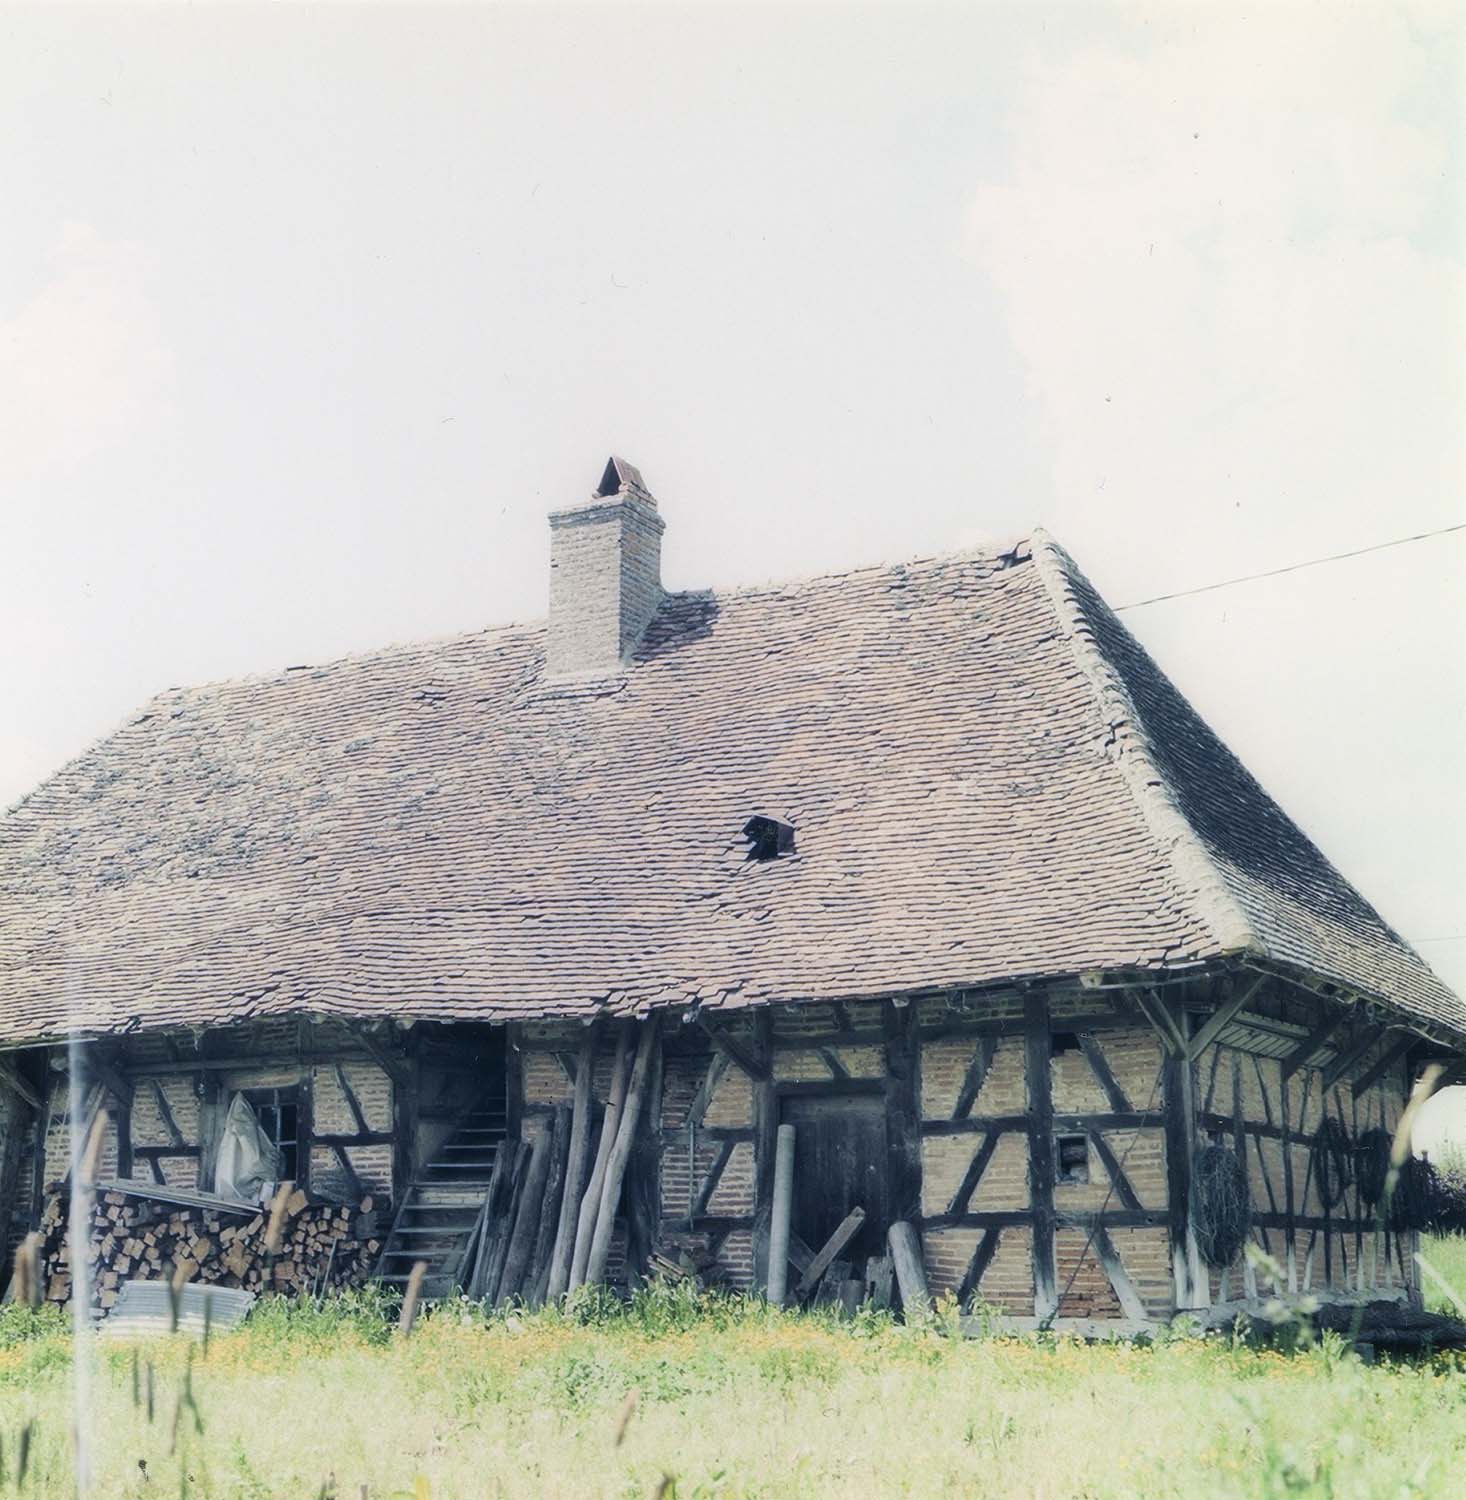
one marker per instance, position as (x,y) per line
(1313,562)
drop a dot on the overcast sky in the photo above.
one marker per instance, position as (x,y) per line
(308,316)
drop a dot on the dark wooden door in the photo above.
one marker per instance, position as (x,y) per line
(839,1163)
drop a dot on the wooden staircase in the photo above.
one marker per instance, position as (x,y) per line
(441,1208)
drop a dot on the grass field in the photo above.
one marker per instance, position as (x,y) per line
(730,1400)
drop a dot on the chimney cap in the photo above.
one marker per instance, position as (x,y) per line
(620,475)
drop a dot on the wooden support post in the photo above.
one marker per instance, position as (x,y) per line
(1285,1117)
(779,1225)
(916,1298)
(903,1111)
(577,1167)
(404,1074)
(1037,1049)
(15,1114)
(208,1090)
(38,1146)
(538,1273)
(590,1204)
(513,1083)
(1176,1093)
(765,1142)
(615,1176)
(643,1172)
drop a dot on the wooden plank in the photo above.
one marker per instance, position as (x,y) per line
(1387,1060)
(1212,1027)
(395,1066)
(1131,1305)
(1124,1191)
(845,1231)
(973,1175)
(977,1072)
(1312,1044)
(1099,1065)
(1358,1049)
(982,1258)
(1038,1081)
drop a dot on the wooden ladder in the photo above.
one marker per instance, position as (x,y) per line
(442,1206)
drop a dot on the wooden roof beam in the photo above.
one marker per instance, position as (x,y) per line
(1212,1027)
(1350,1058)
(1312,1044)
(1386,1060)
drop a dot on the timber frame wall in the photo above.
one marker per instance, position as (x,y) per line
(977,1092)
(370,1105)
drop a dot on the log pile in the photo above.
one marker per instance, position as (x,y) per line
(321,1246)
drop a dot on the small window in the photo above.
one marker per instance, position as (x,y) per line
(278,1112)
(1062,1042)
(1073,1154)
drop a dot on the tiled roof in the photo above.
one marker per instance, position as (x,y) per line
(988,777)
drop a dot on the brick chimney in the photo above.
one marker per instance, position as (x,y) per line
(605,576)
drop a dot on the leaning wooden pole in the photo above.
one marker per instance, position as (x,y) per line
(533,1290)
(590,1202)
(576,1167)
(916,1298)
(526,1221)
(783,1207)
(615,1174)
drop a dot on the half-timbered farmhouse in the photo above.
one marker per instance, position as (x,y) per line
(538,935)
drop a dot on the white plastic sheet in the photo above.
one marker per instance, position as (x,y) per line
(249,1161)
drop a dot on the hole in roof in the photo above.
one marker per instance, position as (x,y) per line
(768,838)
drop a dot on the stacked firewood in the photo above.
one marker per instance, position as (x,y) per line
(317,1247)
